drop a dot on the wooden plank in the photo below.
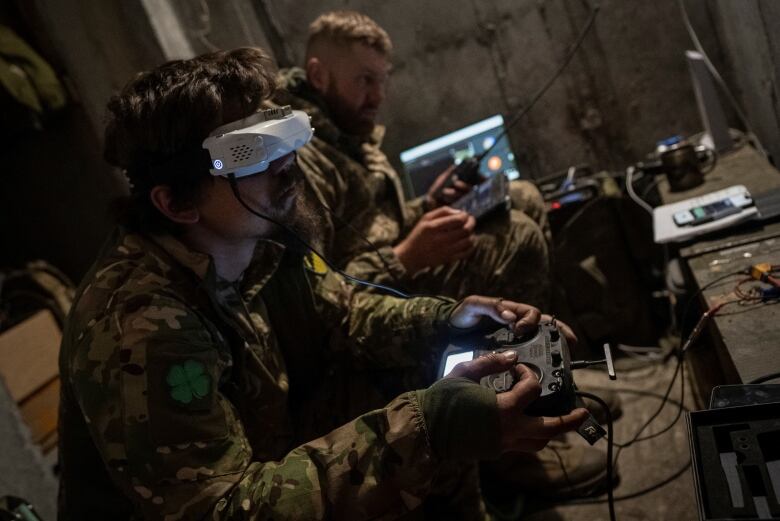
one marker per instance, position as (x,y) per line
(29,353)
(40,411)
(49,443)
(24,473)
(749,333)
(743,341)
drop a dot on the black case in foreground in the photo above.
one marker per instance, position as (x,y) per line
(742,445)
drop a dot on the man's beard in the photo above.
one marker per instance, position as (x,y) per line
(302,221)
(345,117)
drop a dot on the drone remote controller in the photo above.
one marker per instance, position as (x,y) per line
(486,198)
(466,171)
(544,351)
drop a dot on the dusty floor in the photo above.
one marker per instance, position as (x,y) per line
(644,464)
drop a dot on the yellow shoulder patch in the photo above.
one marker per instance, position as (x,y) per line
(315,264)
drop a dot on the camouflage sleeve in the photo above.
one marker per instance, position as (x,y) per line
(413,212)
(150,385)
(380,265)
(382,331)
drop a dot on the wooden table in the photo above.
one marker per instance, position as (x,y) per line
(743,341)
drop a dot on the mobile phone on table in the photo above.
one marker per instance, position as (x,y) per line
(707,213)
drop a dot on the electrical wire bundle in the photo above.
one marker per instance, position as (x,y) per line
(758,295)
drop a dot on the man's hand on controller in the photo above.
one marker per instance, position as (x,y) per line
(522,318)
(437,197)
(519,432)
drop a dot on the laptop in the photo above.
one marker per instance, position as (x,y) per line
(426,161)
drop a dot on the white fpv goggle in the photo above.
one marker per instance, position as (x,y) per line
(247,146)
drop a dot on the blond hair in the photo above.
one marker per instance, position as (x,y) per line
(345,28)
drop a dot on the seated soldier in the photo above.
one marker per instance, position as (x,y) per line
(428,246)
(203,378)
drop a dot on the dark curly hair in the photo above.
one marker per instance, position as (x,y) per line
(156,124)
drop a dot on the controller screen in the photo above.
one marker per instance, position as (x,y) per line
(455,359)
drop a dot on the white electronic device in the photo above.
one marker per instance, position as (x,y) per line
(247,146)
(710,110)
(686,219)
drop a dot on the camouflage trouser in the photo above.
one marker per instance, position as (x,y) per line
(456,494)
(510,258)
(527,198)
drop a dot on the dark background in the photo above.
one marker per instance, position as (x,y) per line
(455,62)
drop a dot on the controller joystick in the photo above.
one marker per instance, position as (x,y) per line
(544,351)
(536,370)
(525,337)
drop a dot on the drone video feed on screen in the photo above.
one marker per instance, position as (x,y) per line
(424,162)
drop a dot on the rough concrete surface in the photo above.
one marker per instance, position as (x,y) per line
(454,63)
(748,32)
(458,62)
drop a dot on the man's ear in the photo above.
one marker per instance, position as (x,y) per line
(317,74)
(162,200)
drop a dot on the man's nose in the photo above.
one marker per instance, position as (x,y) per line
(376,94)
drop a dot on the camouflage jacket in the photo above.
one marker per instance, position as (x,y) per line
(354,178)
(187,397)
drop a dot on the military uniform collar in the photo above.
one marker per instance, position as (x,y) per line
(299,93)
(197,262)
(265,261)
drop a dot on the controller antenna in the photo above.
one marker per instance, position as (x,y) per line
(580,364)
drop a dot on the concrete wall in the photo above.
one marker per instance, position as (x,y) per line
(455,62)
(101,44)
(458,62)
(57,190)
(749,34)
(104,43)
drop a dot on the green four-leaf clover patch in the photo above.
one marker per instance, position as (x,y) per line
(188,381)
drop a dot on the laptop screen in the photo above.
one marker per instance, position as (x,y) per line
(424,162)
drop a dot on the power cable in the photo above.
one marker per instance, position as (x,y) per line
(697,43)
(679,369)
(362,237)
(305,244)
(692,298)
(468,168)
(567,59)
(630,189)
(610,443)
(633,495)
(765,378)
(646,490)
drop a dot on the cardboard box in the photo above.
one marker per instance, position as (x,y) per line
(29,355)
